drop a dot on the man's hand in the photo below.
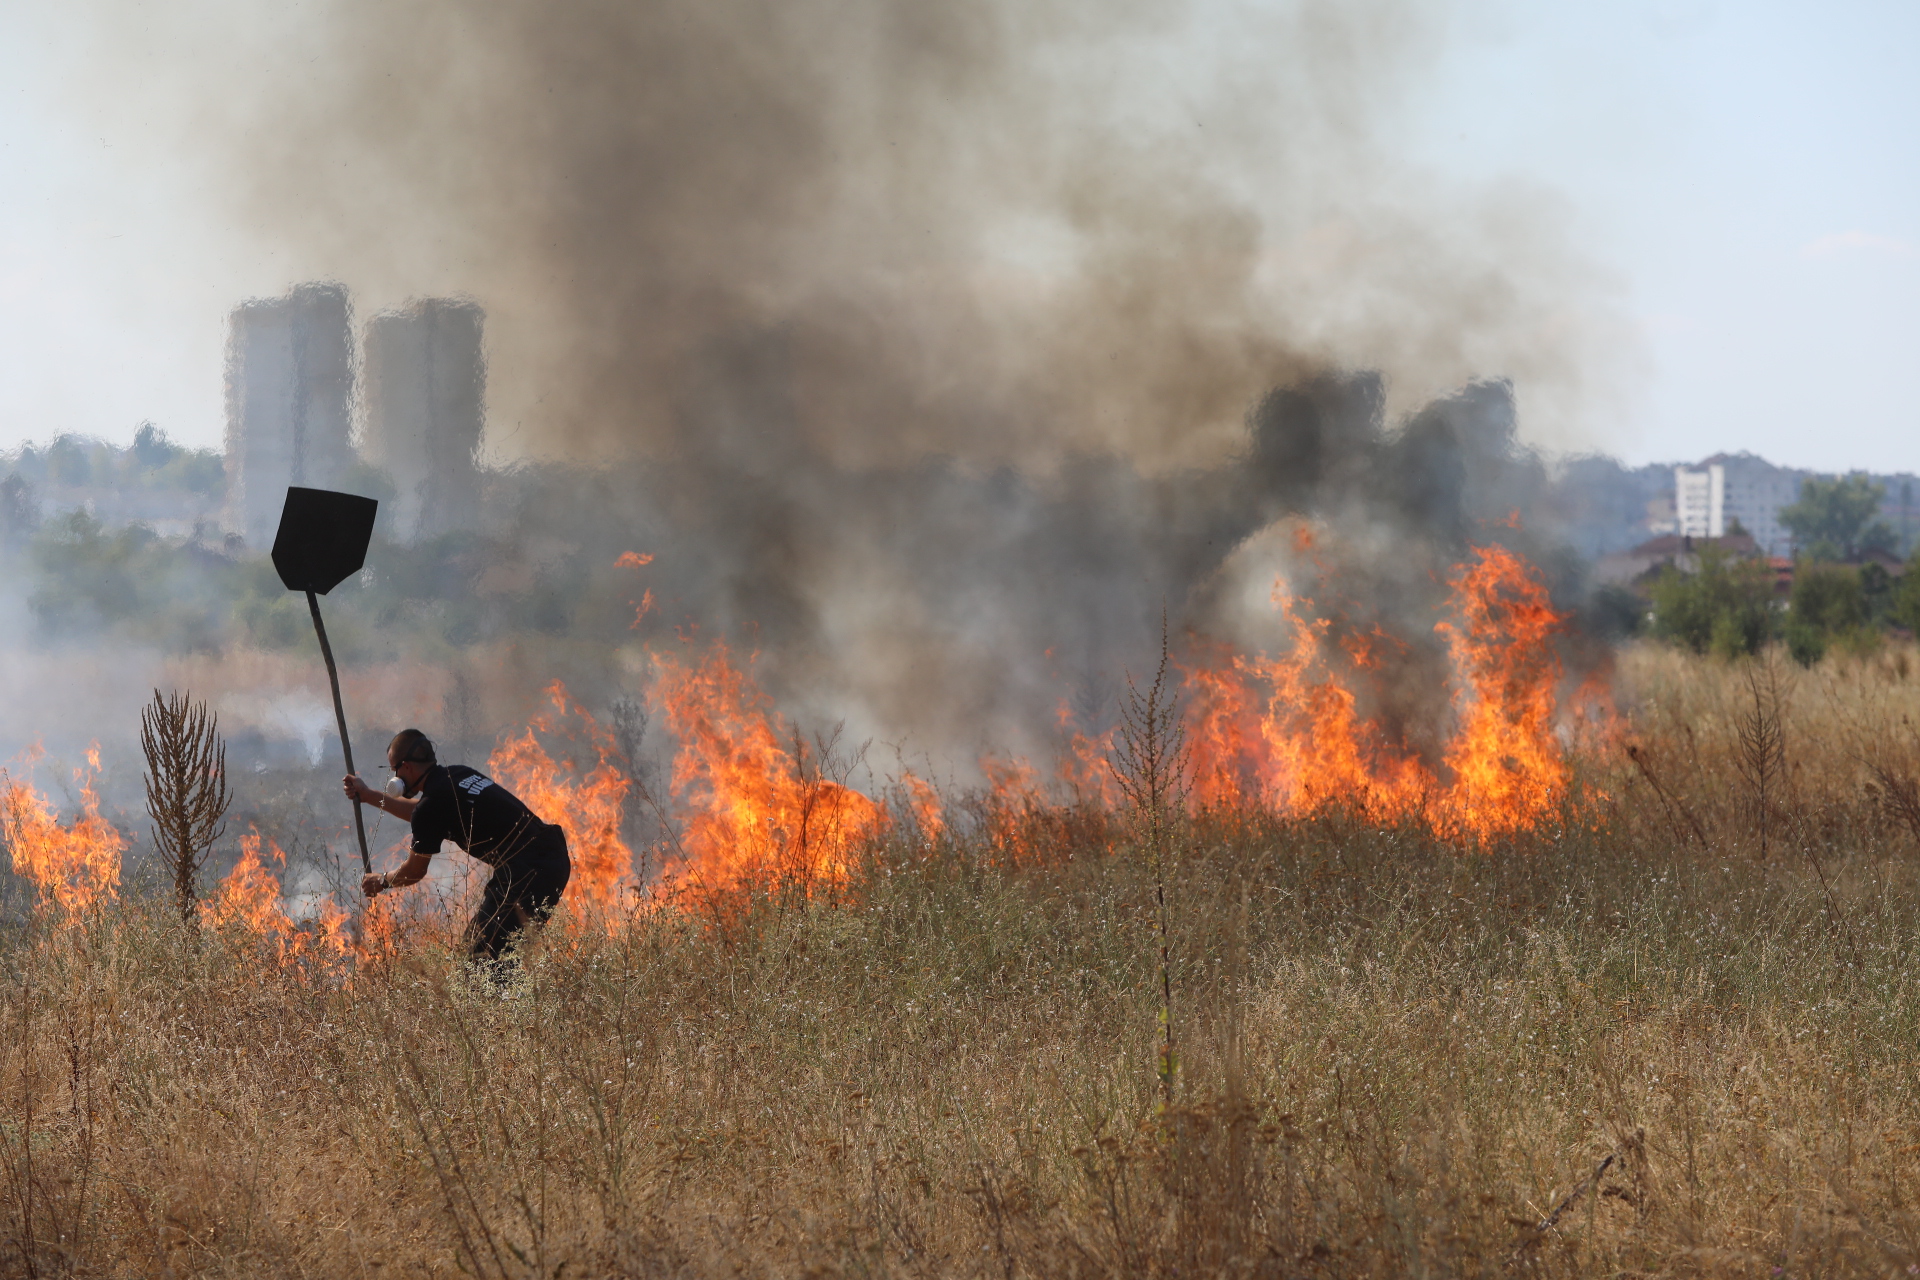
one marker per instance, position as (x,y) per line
(358,790)
(412,871)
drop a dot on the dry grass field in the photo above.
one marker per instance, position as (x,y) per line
(1675,1033)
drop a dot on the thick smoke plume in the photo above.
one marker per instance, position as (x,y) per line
(931,349)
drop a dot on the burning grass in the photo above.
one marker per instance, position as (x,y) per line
(1613,1040)
(75,865)
(1286,732)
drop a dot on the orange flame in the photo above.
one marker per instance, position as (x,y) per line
(1323,753)
(644,606)
(72,867)
(1223,726)
(1021,822)
(1083,768)
(1306,748)
(248,901)
(332,937)
(1509,771)
(923,803)
(249,896)
(1286,731)
(586,803)
(1009,809)
(1597,727)
(755,806)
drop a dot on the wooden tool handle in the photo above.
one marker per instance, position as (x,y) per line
(340,718)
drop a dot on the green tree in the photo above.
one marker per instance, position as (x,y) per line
(1725,606)
(88,575)
(155,462)
(1877,590)
(1614,612)
(1827,605)
(1838,519)
(1906,595)
(70,461)
(151,449)
(19,513)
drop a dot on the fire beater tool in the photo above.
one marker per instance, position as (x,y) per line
(322,542)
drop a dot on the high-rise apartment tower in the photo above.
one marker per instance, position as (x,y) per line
(289,402)
(426,396)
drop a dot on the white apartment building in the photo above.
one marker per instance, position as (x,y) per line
(1699,501)
(1708,499)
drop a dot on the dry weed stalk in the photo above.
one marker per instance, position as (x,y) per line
(1762,761)
(1538,1232)
(1902,793)
(187,795)
(1899,791)
(629,721)
(1151,765)
(1676,809)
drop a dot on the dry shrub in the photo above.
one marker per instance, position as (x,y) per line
(187,795)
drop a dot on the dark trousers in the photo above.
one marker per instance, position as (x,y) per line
(520,895)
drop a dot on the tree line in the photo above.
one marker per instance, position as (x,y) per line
(1841,594)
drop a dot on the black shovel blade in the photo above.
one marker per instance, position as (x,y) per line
(323,538)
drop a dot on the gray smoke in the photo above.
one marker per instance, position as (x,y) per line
(932,349)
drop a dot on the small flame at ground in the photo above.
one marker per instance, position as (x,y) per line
(756,804)
(72,867)
(1083,769)
(249,896)
(922,803)
(248,900)
(1009,808)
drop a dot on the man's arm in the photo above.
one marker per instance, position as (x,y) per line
(412,871)
(358,790)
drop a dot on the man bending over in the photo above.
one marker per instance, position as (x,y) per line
(528,856)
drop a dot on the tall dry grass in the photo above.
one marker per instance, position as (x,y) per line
(1630,1046)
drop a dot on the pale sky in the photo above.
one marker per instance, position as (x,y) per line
(1753,170)
(1745,173)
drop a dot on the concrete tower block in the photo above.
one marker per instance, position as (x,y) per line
(289,402)
(426,401)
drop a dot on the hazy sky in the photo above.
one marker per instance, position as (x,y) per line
(1752,170)
(1745,173)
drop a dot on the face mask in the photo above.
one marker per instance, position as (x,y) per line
(396,788)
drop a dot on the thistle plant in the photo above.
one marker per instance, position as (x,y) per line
(187,795)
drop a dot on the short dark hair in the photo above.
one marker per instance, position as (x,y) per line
(411,745)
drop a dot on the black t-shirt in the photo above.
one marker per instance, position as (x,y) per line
(475,812)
